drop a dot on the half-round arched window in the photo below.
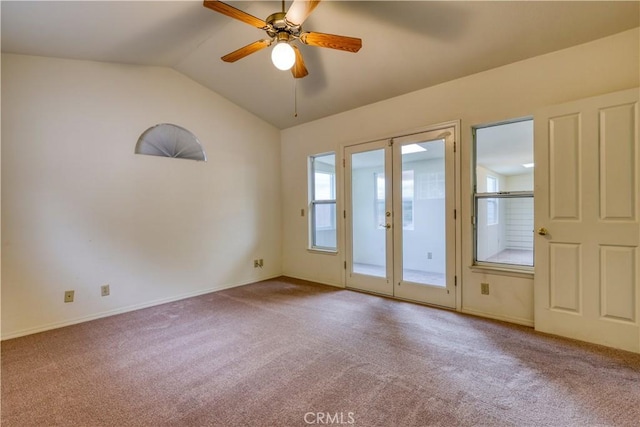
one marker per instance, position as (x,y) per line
(167,140)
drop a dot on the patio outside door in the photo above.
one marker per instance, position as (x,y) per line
(400,217)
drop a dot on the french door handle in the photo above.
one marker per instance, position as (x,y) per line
(387,226)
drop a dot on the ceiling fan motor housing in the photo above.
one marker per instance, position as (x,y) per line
(277,25)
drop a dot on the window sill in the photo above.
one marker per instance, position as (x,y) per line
(527,273)
(322,251)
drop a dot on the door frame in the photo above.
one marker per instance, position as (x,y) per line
(457,244)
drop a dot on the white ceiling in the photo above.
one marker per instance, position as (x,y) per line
(406,45)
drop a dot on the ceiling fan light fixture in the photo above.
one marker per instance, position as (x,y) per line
(283,56)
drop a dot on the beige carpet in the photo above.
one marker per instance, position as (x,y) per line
(289,353)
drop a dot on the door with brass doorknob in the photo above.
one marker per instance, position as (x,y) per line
(368,216)
(587,211)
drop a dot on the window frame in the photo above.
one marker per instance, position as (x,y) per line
(314,203)
(497,196)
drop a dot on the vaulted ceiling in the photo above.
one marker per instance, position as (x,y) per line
(407,45)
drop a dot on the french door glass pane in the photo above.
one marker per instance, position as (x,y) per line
(368,189)
(423,213)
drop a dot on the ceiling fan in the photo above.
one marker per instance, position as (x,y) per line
(283,29)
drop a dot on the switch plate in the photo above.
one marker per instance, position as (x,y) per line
(104,290)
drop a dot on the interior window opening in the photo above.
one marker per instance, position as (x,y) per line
(503,194)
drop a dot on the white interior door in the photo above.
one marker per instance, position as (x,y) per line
(587,227)
(400,217)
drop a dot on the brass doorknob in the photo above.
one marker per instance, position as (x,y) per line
(543,231)
(385,225)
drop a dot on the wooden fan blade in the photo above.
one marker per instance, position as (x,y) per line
(349,44)
(300,11)
(245,51)
(298,70)
(232,12)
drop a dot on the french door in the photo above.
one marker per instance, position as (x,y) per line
(400,217)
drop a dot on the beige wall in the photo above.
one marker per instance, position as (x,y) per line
(512,91)
(80,210)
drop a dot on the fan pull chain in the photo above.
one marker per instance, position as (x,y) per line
(295,97)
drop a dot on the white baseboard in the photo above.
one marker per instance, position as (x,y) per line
(312,280)
(509,319)
(56,325)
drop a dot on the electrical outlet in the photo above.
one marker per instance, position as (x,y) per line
(104,290)
(68,296)
(429,255)
(484,288)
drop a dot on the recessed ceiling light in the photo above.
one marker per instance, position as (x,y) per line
(528,165)
(412,148)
